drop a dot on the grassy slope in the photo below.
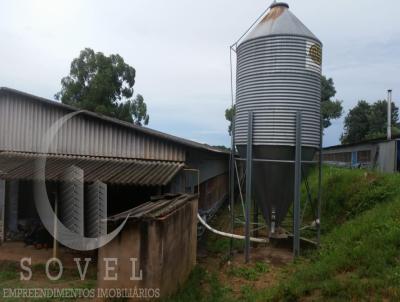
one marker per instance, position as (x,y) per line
(359,258)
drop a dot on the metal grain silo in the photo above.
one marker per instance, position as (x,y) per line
(278,74)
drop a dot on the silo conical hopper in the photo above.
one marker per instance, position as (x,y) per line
(278,74)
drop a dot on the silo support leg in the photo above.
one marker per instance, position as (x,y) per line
(232,186)
(297,184)
(249,165)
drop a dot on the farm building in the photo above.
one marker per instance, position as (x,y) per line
(380,154)
(131,163)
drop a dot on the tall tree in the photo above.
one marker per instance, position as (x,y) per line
(378,119)
(229,116)
(330,109)
(367,121)
(103,84)
(139,111)
(356,123)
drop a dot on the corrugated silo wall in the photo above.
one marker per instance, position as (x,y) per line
(276,77)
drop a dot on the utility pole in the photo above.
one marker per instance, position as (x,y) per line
(389,115)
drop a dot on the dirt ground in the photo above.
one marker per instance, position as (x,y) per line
(11,254)
(274,259)
(15,251)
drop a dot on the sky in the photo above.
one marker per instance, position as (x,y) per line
(180,50)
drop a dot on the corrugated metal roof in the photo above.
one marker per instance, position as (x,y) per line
(117,122)
(16,165)
(156,208)
(363,142)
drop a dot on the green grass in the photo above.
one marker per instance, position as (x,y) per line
(8,271)
(347,193)
(202,286)
(251,273)
(359,258)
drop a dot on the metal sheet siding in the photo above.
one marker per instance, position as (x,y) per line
(275,78)
(387,157)
(23,123)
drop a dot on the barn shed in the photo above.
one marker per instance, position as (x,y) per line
(380,154)
(120,162)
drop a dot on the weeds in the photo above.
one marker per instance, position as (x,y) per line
(202,286)
(251,273)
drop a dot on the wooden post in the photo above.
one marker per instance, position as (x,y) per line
(55,243)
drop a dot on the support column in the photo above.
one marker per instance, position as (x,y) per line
(55,230)
(318,222)
(249,166)
(232,184)
(12,206)
(297,192)
(2,209)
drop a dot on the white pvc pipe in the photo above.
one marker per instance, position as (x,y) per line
(229,235)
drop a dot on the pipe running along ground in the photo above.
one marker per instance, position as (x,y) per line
(229,235)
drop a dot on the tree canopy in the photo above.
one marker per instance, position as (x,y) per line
(103,84)
(229,116)
(330,109)
(367,121)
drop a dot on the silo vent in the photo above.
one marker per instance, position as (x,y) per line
(279,4)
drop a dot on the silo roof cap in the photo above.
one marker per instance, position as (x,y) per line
(279,21)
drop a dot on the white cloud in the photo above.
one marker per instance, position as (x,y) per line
(180,50)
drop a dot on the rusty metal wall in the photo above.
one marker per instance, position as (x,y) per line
(213,192)
(24,121)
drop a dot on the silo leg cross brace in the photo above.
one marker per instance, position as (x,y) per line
(298,162)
